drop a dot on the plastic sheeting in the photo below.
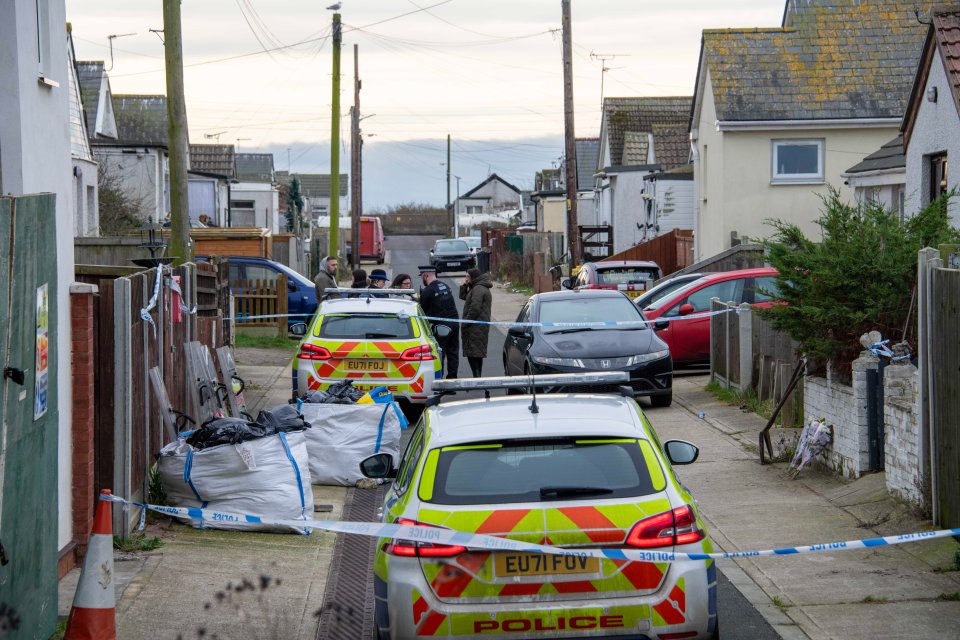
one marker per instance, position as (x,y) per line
(268,476)
(341,436)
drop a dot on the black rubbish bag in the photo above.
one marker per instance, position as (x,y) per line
(284,417)
(227,431)
(338,393)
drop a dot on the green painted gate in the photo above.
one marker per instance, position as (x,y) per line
(28,431)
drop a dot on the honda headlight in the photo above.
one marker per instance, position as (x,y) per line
(647,357)
(559,362)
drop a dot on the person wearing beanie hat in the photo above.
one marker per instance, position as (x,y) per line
(478,303)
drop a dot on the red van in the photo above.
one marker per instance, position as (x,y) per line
(689,339)
(371,239)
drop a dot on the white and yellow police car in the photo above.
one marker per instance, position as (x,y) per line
(577,471)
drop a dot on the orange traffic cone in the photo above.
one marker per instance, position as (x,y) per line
(92,616)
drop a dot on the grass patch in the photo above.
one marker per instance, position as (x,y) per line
(949,597)
(874,600)
(780,603)
(61,629)
(747,400)
(265,342)
(950,567)
(136,542)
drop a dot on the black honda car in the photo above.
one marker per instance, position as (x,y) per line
(573,341)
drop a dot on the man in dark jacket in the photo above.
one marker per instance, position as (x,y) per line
(436,300)
(326,277)
(378,280)
(478,301)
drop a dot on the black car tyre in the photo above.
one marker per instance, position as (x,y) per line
(662,401)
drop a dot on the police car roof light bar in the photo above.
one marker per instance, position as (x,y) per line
(518,382)
(333,291)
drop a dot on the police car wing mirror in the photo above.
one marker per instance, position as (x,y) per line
(298,328)
(379,465)
(441,330)
(681,451)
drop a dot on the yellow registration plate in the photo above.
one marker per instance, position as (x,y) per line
(539,564)
(366,365)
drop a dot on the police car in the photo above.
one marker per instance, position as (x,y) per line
(374,341)
(578,471)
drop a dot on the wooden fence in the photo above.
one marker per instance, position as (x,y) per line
(672,251)
(261,303)
(746,352)
(944,363)
(129,430)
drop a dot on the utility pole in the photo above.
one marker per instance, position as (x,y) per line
(176,133)
(450,221)
(335,144)
(356,142)
(573,227)
(456,211)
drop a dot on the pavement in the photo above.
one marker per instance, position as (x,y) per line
(217,584)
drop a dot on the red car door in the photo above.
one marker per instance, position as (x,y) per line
(689,338)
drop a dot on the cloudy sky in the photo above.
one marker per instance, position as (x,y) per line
(486,72)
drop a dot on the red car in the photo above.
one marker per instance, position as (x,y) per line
(689,340)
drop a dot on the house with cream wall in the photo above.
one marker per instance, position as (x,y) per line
(779,113)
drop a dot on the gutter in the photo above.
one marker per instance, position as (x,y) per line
(831,123)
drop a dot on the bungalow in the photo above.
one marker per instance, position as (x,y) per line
(208,183)
(779,112)
(254,200)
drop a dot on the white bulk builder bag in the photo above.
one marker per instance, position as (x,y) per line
(342,435)
(267,476)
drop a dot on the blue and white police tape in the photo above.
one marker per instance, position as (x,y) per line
(600,324)
(439,535)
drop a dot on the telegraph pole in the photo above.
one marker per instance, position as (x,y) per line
(356,196)
(176,133)
(573,227)
(335,144)
(450,221)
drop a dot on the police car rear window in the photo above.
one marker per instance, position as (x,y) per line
(543,470)
(366,326)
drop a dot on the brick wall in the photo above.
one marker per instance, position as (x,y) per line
(903,447)
(844,407)
(83,340)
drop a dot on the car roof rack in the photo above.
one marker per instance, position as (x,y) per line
(332,293)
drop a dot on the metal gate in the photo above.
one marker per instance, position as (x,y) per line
(28,415)
(945,392)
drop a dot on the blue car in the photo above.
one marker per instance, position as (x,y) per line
(301,292)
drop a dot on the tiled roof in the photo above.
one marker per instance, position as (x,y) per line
(141,120)
(315,185)
(212,158)
(254,167)
(947,26)
(587,152)
(641,115)
(636,147)
(90,76)
(671,145)
(832,59)
(889,156)
(943,43)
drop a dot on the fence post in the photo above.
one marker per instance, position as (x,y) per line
(745,324)
(282,306)
(928,260)
(122,401)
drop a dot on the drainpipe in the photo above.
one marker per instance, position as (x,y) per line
(695,152)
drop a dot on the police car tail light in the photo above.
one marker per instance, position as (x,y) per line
(423,352)
(313,352)
(666,529)
(411,549)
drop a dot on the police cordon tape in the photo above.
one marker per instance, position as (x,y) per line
(600,324)
(440,535)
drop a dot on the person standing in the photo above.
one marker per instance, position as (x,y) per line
(402,281)
(378,280)
(326,277)
(436,300)
(477,305)
(359,279)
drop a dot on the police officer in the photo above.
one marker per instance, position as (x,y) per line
(437,301)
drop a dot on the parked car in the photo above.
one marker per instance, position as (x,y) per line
(301,292)
(632,277)
(664,287)
(635,349)
(452,254)
(584,471)
(689,339)
(473,242)
(527,227)
(372,341)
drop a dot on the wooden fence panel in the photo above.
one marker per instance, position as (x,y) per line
(672,251)
(945,392)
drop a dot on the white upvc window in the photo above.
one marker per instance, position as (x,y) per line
(797,161)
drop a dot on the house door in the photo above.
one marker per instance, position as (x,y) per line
(28,416)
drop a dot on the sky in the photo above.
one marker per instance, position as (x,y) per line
(488,73)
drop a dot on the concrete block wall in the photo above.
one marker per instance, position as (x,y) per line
(844,407)
(903,447)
